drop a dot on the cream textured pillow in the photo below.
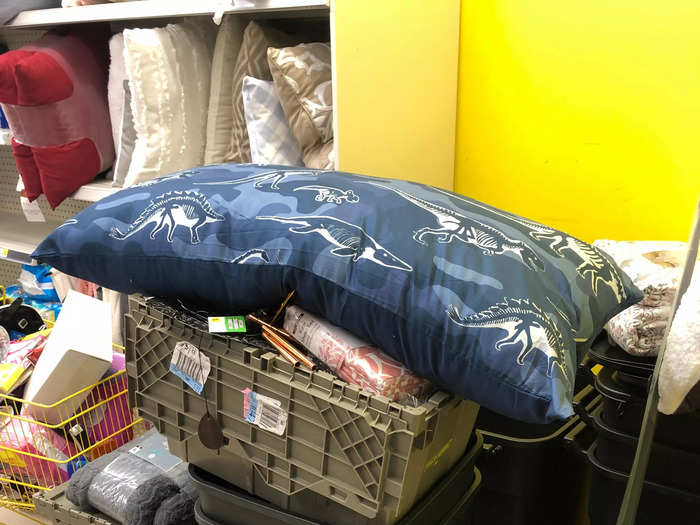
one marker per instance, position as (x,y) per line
(168,70)
(251,62)
(271,140)
(220,114)
(194,70)
(302,76)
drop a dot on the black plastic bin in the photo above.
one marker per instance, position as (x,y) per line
(531,473)
(260,513)
(623,410)
(659,504)
(669,466)
(448,502)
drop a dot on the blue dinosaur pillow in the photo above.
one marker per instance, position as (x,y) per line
(486,304)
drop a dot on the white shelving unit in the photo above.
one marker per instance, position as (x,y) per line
(142,10)
(94,191)
(19,238)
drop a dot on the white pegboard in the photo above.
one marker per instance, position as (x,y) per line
(9,198)
(20,37)
(9,272)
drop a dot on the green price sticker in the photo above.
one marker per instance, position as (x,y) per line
(227,324)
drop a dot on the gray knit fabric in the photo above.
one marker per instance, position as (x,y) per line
(77,490)
(176,510)
(143,503)
(134,491)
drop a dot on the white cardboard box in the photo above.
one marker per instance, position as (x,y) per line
(77,354)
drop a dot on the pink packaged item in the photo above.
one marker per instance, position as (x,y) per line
(355,361)
(28,437)
(106,413)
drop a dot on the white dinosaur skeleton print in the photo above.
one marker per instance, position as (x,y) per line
(593,263)
(453,225)
(330,194)
(188,209)
(252,255)
(69,222)
(349,240)
(275,177)
(526,325)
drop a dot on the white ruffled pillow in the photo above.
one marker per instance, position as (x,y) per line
(271,139)
(168,70)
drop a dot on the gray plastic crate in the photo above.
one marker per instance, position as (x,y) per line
(361,451)
(52,504)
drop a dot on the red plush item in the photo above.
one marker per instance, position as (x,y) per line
(24,159)
(54,94)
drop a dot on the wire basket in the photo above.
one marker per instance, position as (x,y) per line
(42,445)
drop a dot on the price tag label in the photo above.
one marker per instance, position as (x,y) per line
(190,365)
(227,324)
(31,210)
(4,252)
(263,411)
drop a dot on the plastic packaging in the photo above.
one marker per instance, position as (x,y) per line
(111,414)
(655,267)
(355,361)
(112,490)
(133,490)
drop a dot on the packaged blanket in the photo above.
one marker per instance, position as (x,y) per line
(353,360)
(134,490)
(655,267)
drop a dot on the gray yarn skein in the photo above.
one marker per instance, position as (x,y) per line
(143,504)
(178,509)
(80,481)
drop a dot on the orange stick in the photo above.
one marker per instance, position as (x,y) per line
(290,349)
(270,338)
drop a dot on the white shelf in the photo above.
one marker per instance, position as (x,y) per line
(145,9)
(94,191)
(19,238)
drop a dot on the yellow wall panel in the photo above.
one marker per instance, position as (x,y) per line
(396,94)
(582,115)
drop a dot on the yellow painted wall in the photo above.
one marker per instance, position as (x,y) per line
(396,94)
(583,115)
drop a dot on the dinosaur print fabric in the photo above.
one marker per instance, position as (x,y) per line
(486,304)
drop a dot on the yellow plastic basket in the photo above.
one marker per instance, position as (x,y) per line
(42,445)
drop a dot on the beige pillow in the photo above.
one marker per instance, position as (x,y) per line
(251,62)
(302,76)
(220,114)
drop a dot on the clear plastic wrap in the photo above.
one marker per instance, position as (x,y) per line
(112,488)
(133,490)
(354,360)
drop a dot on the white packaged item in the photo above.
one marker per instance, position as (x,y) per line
(680,369)
(77,354)
(168,71)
